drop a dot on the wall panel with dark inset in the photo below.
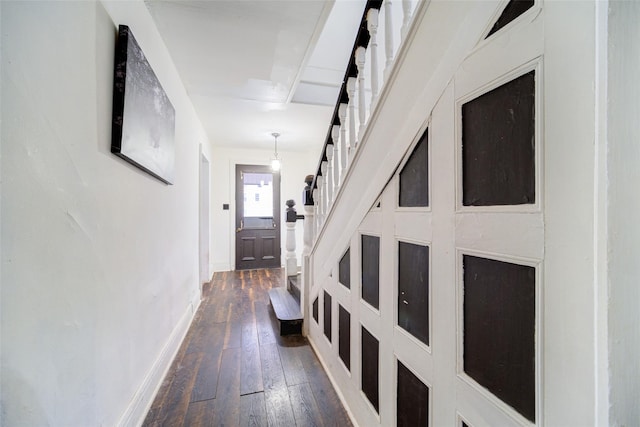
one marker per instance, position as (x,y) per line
(413,290)
(344,269)
(315,309)
(370,356)
(371,269)
(499,330)
(344,336)
(498,145)
(513,9)
(414,176)
(327,315)
(412,399)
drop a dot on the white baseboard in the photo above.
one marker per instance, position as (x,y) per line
(220,266)
(141,402)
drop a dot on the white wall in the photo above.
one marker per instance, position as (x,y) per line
(624,205)
(99,260)
(1,68)
(295,166)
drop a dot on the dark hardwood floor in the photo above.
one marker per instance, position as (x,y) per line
(233,369)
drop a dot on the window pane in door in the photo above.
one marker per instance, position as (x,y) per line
(258,200)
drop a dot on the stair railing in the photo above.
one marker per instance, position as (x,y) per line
(382,30)
(383,27)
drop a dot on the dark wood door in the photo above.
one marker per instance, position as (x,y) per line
(257,217)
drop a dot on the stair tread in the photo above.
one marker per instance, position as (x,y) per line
(295,280)
(284,305)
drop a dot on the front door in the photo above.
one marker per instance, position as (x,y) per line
(257,217)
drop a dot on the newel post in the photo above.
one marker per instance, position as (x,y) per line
(291,264)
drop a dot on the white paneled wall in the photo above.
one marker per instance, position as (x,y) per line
(446,63)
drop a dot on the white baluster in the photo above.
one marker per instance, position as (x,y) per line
(336,168)
(372,27)
(388,38)
(329,152)
(351,91)
(316,209)
(342,115)
(309,221)
(320,201)
(341,153)
(406,18)
(360,58)
(325,192)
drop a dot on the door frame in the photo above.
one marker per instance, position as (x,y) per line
(233,164)
(204,218)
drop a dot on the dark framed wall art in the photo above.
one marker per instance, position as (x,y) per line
(143,126)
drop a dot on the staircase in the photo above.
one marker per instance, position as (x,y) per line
(286,306)
(293,284)
(286,300)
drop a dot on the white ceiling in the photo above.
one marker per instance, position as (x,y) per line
(253,67)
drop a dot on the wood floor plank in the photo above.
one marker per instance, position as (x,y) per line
(249,332)
(210,313)
(264,325)
(178,396)
(199,414)
(207,377)
(253,410)
(233,335)
(157,406)
(236,306)
(279,410)
(250,370)
(292,366)
(206,382)
(272,373)
(304,406)
(325,395)
(196,337)
(231,353)
(227,403)
(220,308)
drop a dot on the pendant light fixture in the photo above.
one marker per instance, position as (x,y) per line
(275,162)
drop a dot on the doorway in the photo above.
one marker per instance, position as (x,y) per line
(257,217)
(204,234)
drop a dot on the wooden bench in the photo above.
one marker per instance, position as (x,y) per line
(287,311)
